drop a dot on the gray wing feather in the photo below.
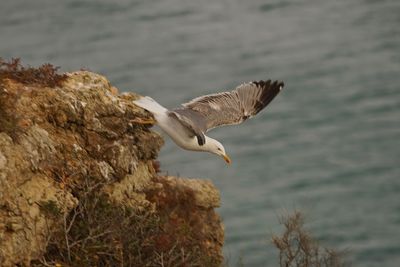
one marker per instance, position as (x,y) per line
(234,107)
(192,122)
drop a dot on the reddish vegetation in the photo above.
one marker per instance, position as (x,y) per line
(156,165)
(182,226)
(45,75)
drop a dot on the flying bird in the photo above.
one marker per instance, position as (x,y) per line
(188,124)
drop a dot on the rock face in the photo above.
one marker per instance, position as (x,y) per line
(60,145)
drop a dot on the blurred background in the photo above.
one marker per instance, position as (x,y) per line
(328,145)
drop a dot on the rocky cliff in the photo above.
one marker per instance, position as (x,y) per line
(79,184)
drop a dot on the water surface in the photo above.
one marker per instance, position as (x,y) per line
(328,145)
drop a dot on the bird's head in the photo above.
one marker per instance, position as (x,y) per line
(217,148)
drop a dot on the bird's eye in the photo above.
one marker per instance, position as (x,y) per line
(219,149)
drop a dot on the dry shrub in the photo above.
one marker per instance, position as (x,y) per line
(100,233)
(298,248)
(45,75)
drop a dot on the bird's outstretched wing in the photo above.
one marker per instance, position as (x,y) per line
(233,107)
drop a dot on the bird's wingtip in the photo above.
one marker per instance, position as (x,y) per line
(269,83)
(281,84)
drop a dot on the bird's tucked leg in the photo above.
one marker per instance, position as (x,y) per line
(143,121)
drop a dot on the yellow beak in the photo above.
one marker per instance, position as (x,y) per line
(227,159)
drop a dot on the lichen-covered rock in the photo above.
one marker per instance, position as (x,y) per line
(23,229)
(56,142)
(205,194)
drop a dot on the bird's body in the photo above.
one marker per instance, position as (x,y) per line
(187,125)
(177,132)
(174,128)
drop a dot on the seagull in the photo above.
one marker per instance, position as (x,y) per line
(188,124)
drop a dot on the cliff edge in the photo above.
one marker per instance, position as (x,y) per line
(79,184)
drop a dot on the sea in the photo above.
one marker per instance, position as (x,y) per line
(328,145)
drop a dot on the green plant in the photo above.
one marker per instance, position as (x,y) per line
(49,208)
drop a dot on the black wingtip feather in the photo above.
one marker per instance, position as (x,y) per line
(270,90)
(267,83)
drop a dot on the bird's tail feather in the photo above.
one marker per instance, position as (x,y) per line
(150,105)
